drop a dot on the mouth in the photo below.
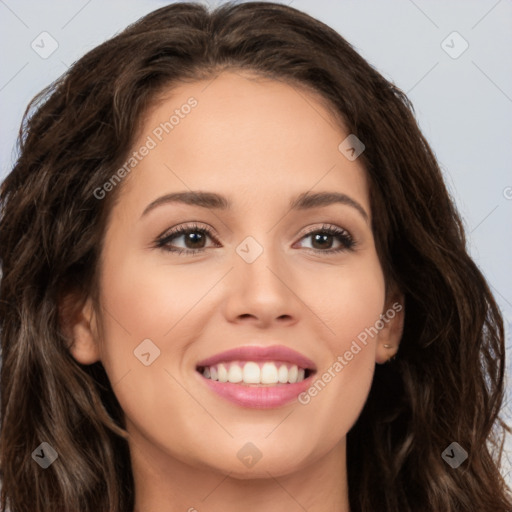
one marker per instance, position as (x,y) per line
(256,373)
(257,377)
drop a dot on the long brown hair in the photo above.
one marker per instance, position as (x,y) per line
(447,383)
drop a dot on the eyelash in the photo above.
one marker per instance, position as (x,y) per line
(348,243)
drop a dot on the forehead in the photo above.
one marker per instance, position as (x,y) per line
(261,138)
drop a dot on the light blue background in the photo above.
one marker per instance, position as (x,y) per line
(463,105)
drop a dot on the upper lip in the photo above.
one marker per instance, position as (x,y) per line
(260,353)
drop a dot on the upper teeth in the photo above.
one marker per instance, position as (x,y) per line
(250,372)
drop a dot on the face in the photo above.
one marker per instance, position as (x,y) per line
(293,283)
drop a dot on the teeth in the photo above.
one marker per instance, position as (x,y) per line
(250,372)
(282,374)
(293,373)
(235,373)
(269,374)
(223,373)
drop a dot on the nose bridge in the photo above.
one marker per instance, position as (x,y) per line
(258,261)
(261,283)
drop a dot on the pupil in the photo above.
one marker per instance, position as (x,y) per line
(319,237)
(194,237)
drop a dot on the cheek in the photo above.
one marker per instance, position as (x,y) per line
(347,299)
(349,302)
(148,299)
(143,301)
(361,307)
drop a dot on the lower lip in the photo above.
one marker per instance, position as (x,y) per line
(258,397)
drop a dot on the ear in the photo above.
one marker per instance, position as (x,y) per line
(389,337)
(78,323)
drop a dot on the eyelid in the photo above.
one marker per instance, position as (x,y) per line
(323,227)
(189,227)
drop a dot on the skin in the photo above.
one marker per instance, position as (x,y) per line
(260,143)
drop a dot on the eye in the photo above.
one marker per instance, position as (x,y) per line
(194,237)
(323,239)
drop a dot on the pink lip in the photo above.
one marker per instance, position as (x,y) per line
(258,353)
(258,397)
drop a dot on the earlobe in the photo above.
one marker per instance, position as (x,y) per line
(79,328)
(388,341)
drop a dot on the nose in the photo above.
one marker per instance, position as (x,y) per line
(262,292)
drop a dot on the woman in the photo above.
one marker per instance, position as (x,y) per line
(233,276)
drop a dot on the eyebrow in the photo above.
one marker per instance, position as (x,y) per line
(211,200)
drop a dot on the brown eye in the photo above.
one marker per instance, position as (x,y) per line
(324,238)
(194,239)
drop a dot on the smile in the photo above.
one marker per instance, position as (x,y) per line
(257,377)
(255,373)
